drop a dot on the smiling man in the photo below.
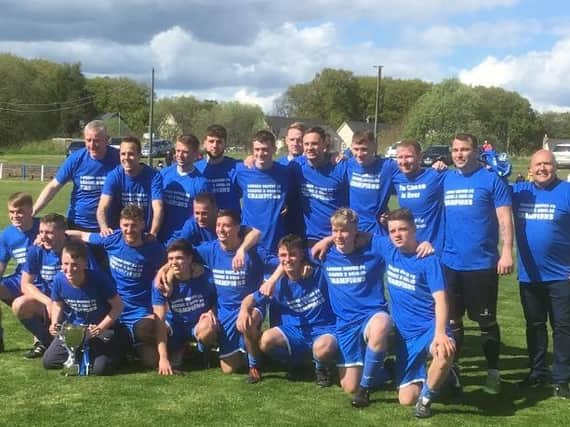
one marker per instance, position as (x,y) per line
(542,222)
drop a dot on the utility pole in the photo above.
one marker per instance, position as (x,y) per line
(377,111)
(150,119)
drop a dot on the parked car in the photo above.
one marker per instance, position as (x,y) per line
(159,147)
(435,153)
(76,144)
(115,142)
(561,154)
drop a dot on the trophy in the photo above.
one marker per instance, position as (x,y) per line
(73,339)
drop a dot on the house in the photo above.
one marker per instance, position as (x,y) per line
(347,130)
(169,128)
(278,125)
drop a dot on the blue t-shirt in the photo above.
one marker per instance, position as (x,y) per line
(542,224)
(422,194)
(178,193)
(133,270)
(232,286)
(88,304)
(471,226)
(323,190)
(370,188)
(189,300)
(88,176)
(355,284)
(220,178)
(303,302)
(192,232)
(264,197)
(138,190)
(411,283)
(44,264)
(14,243)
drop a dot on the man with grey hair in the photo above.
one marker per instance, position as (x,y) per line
(87,169)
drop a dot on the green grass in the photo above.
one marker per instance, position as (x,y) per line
(29,395)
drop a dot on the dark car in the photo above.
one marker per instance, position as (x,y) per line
(435,153)
(76,144)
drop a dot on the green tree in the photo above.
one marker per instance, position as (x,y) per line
(556,125)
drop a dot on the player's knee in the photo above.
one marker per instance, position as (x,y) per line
(325,348)
(407,398)
(145,330)
(18,307)
(349,386)
(378,331)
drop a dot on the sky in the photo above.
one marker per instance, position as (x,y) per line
(252,50)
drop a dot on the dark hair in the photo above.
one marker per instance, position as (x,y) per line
(363,137)
(217,131)
(133,212)
(190,141)
(235,216)
(76,249)
(402,214)
(264,137)
(181,245)
(56,219)
(132,140)
(206,198)
(292,241)
(410,143)
(319,130)
(467,137)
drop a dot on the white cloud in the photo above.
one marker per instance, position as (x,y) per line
(538,75)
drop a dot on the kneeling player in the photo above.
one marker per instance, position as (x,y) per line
(84,297)
(188,313)
(301,302)
(420,314)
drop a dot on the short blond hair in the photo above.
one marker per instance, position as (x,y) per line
(343,217)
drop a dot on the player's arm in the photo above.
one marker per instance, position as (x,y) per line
(250,239)
(268,286)
(78,235)
(442,344)
(157,217)
(116,308)
(47,194)
(55,316)
(104,205)
(31,290)
(245,319)
(505,219)
(164,367)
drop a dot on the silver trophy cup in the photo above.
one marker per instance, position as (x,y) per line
(72,337)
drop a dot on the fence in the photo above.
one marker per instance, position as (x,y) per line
(27,172)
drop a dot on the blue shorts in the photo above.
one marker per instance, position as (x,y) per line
(411,357)
(130,319)
(12,284)
(352,340)
(300,339)
(230,340)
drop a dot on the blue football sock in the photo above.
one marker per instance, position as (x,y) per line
(319,364)
(252,360)
(373,362)
(428,393)
(38,329)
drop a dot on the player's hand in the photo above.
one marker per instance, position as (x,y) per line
(164,367)
(249,162)
(439,165)
(106,231)
(307,270)
(338,158)
(244,321)
(163,281)
(238,260)
(267,288)
(149,237)
(443,346)
(320,249)
(54,328)
(424,249)
(93,331)
(505,264)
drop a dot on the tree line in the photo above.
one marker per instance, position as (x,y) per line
(41,99)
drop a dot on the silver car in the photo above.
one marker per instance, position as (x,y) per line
(562,155)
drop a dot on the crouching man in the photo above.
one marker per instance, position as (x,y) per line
(188,312)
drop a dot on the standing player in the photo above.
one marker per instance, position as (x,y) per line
(188,313)
(370,181)
(265,188)
(294,142)
(181,183)
(323,187)
(14,242)
(133,262)
(421,191)
(131,183)
(87,169)
(477,205)
(420,313)
(84,297)
(301,302)
(219,169)
(542,220)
